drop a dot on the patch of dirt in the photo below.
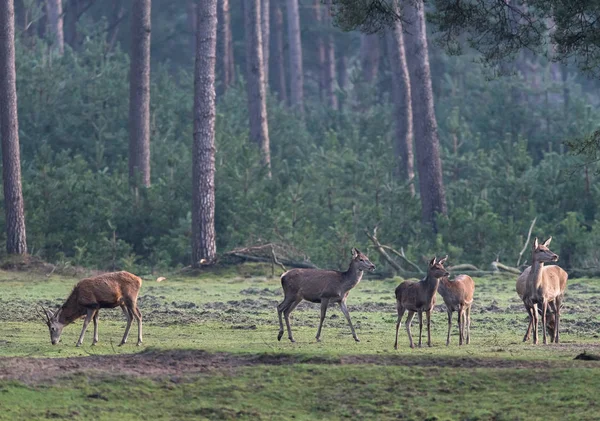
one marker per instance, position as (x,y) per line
(157,364)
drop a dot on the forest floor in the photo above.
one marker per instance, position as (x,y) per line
(211,352)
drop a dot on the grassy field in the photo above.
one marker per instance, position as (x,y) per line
(211,352)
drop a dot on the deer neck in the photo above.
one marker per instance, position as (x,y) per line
(535,276)
(352,276)
(70,311)
(431,283)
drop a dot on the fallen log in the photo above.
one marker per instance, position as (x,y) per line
(285,262)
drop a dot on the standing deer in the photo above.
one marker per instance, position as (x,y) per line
(544,287)
(89,296)
(321,286)
(419,297)
(458,296)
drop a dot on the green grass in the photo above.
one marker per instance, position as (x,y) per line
(235,313)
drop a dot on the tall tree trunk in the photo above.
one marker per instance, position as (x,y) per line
(330,70)
(429,164)
(369,56)
(226,44)
(55,24)
(255,84)
(344,79)
(118,11)
(403,146)
(204,249)
(295,43)
(265,29)
(317,15)
(139,95)
(16,242)
(71,18)
(279,59)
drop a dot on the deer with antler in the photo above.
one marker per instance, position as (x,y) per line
(544,287)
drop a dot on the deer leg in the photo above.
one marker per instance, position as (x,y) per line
(529,326)
(557,305)
(449,326)
(409,319)
(286,315)
(534,314)
(86,322)
(280,308)
(95,341)
(138,316)
(347,314)
(129,318)
(428,314)
(420,313)
(468,319)
(544,310)
(400,314)
(324,304)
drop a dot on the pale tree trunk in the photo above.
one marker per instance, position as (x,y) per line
(279,59)
(295,48)
(55,24)
(369,56)
(226,44)
(265,29)
(429,163)
(330,68)
(255,81)
(317,15)
(139,95)
(403,145)
(344,79)
(204,249)
(16,242)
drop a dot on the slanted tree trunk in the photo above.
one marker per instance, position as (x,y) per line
(16,242)
(204,249)
(54,15)
(429,163)
(295,49)
(139,95)
(226,44)
(329,78)
(256,87)
(265,29)
(369,56)
(114,23)
(279,58)
(403,145)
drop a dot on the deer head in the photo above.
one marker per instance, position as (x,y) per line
(362,260)
(436,268)
(54,326)
(541,252)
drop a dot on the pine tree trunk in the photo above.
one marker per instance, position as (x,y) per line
(330,68)
(256,87)
(16,242)
(279,59)
(344,79)
(226,44)
(403,146)
(295,48)
(429,164)
(139,95)
(265,29)
(118,11)
(369,56)
(204,249)
(317,15)
(55,24)
(71,18)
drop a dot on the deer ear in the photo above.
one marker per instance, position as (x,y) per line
(441,262)
(536,244)
(432,262)
(547,242)
(354,252)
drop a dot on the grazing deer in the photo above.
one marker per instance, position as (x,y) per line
(89,296)
(521,285)
(458,296)
(419,297)
(540,286)
(321,286)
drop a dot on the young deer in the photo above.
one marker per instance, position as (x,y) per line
(542,286)
(458,296)
(89,296)
(320,286)
(521,285)
(419,297)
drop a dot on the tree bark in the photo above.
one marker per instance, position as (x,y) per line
(226,43)
(118,11)
(369,56)
(295,49)
(16,242)
(403,145)
(344,79)
(279,59)
(54,15)
(139,95)
(71,18)
(204,249)
(317,12)
(429,164)
(330,70)
(255,84)
(265,29)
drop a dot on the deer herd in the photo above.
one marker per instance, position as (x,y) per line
(540,287)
